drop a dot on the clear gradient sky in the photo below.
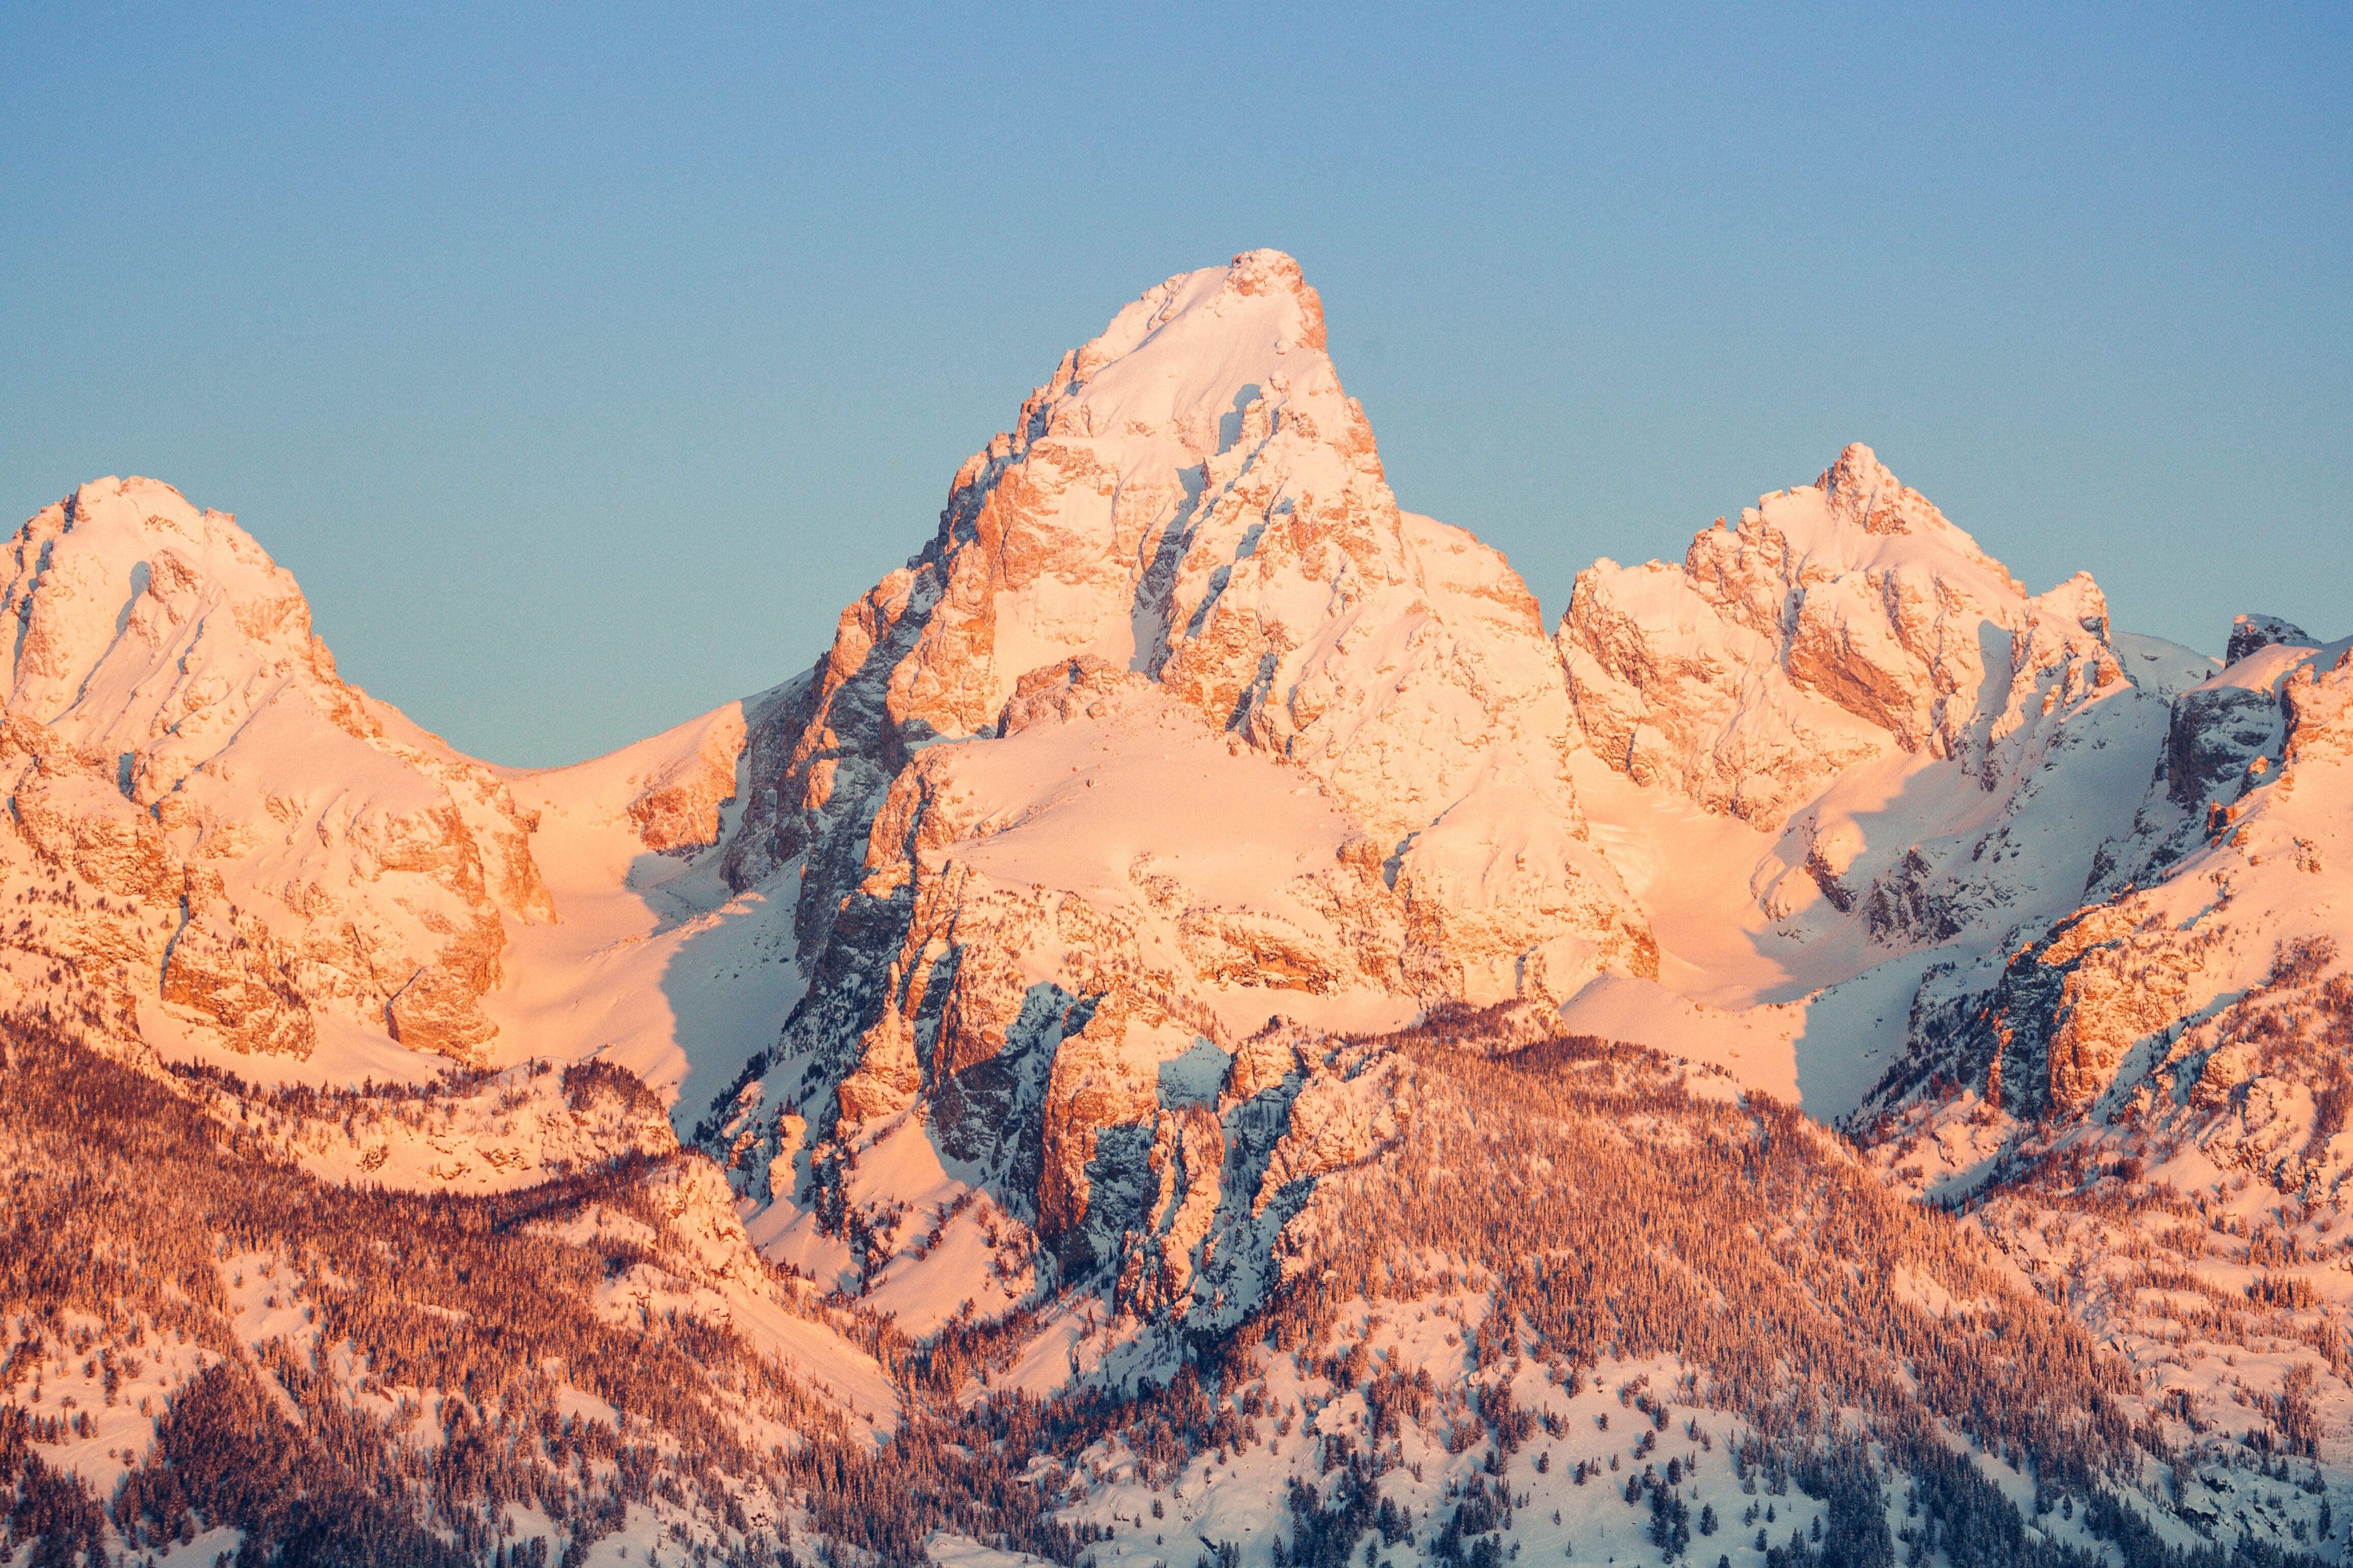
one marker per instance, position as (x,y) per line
(584,361)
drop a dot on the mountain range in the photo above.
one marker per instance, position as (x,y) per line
(1197,1027)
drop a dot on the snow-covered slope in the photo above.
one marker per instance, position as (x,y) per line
(658,964)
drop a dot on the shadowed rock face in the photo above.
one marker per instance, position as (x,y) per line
(2225,880)
(2249,633)
(224,829)
(2216,732)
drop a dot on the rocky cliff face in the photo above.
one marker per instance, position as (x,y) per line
(2228,870)
(1178,722)
(1194,499)
(210,830)
(1842,631)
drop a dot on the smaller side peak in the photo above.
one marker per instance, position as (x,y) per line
(2249,633)
(114,572)
(1861,491)
(2080,600)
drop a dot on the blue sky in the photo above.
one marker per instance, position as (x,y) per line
(584,361)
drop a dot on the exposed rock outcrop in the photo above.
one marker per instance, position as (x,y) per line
(679,809)
(2249,633)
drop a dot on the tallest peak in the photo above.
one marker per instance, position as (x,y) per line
(1272,272)
(1861,491)
(1242,322)
(1188,357)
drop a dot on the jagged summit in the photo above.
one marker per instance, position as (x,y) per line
(1179,358)
(1856,517)
(1193,496)
(275,846)
(1835,623)
(1155,459)
(1859,491)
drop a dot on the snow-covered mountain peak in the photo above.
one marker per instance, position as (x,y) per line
(120,581)
(1193,498)
(1849,674)
(1198,347)
(1856,517)
(1837,622)
(283,850)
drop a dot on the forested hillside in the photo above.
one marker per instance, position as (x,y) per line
(1582,1295)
